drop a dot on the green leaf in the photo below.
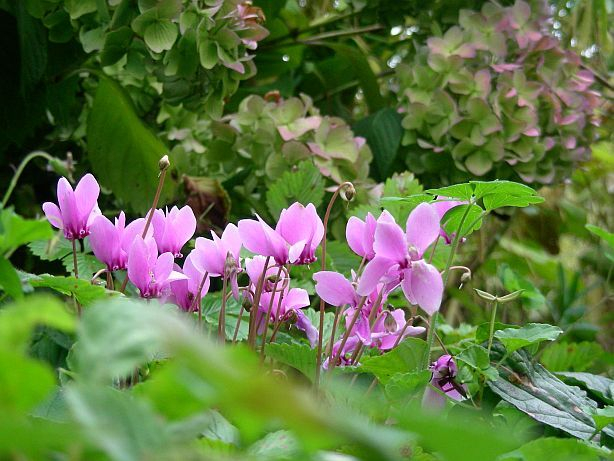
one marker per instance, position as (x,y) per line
(120,145)
(477,358)
(603,417)
(298,356)
(602,233)
(555,449)
(383,132)
(363,72)
(600,386)
(498,187)
(77,8)
(562,356)
(457,191)
(401,386)
(452,219)
(276,445)
(531,333)
(25,382)
(406,357)
(116,45)
(122,427)
(9,280)
(160,35)
(17,321)
(537,392)
(497,194)
(305,185)
(483,330)
(16,231)
(83,290)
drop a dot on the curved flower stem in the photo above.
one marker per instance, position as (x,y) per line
(430,337)
(154,205)
(76,272)
(221,321)
(268,313)
(491,330)
(334,330)
(346,335)
(434,249)
(197,299)
(251,338)
(110,281)
(31,156)
(240,317)
(329,208)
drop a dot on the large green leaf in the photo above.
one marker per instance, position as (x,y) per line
(406,357)
(531,333)
(85,292)
(383,132)
(9,280)
(562,356)
(19,319)
(600,386)
(451,221)
(555,449)
(123,153)
(16,231)
(299,356)
(537,392)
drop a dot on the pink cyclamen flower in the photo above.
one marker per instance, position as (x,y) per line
(388,327)
(212,255)
(298,225)
(442,206)
(360,235)
(283,303)
(173,229)
(150,273)
(183,291)
(444,371)
(76,208)
(111,242)
(298,233)
(401,254)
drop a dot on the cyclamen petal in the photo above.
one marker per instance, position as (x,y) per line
(425,285)
(373,272)
(422,227)
(335,289)
(173,229)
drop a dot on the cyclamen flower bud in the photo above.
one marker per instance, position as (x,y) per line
(390,323)
(247,304)
(348,192)
(230,265)
(164,163)
(291,317)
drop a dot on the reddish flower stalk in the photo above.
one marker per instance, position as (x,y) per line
(350,187)
(251,338)
(347,333)
(163,164)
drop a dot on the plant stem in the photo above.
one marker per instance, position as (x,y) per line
(491,330)
(329,208)
(76,272)
(197,299)
(268,313)
(346,335)
(251,338)
(19,171)
(234,336)
(430,338)
(154,205)
(221,322)
(334,330)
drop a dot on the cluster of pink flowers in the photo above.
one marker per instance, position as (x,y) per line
(392,258)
